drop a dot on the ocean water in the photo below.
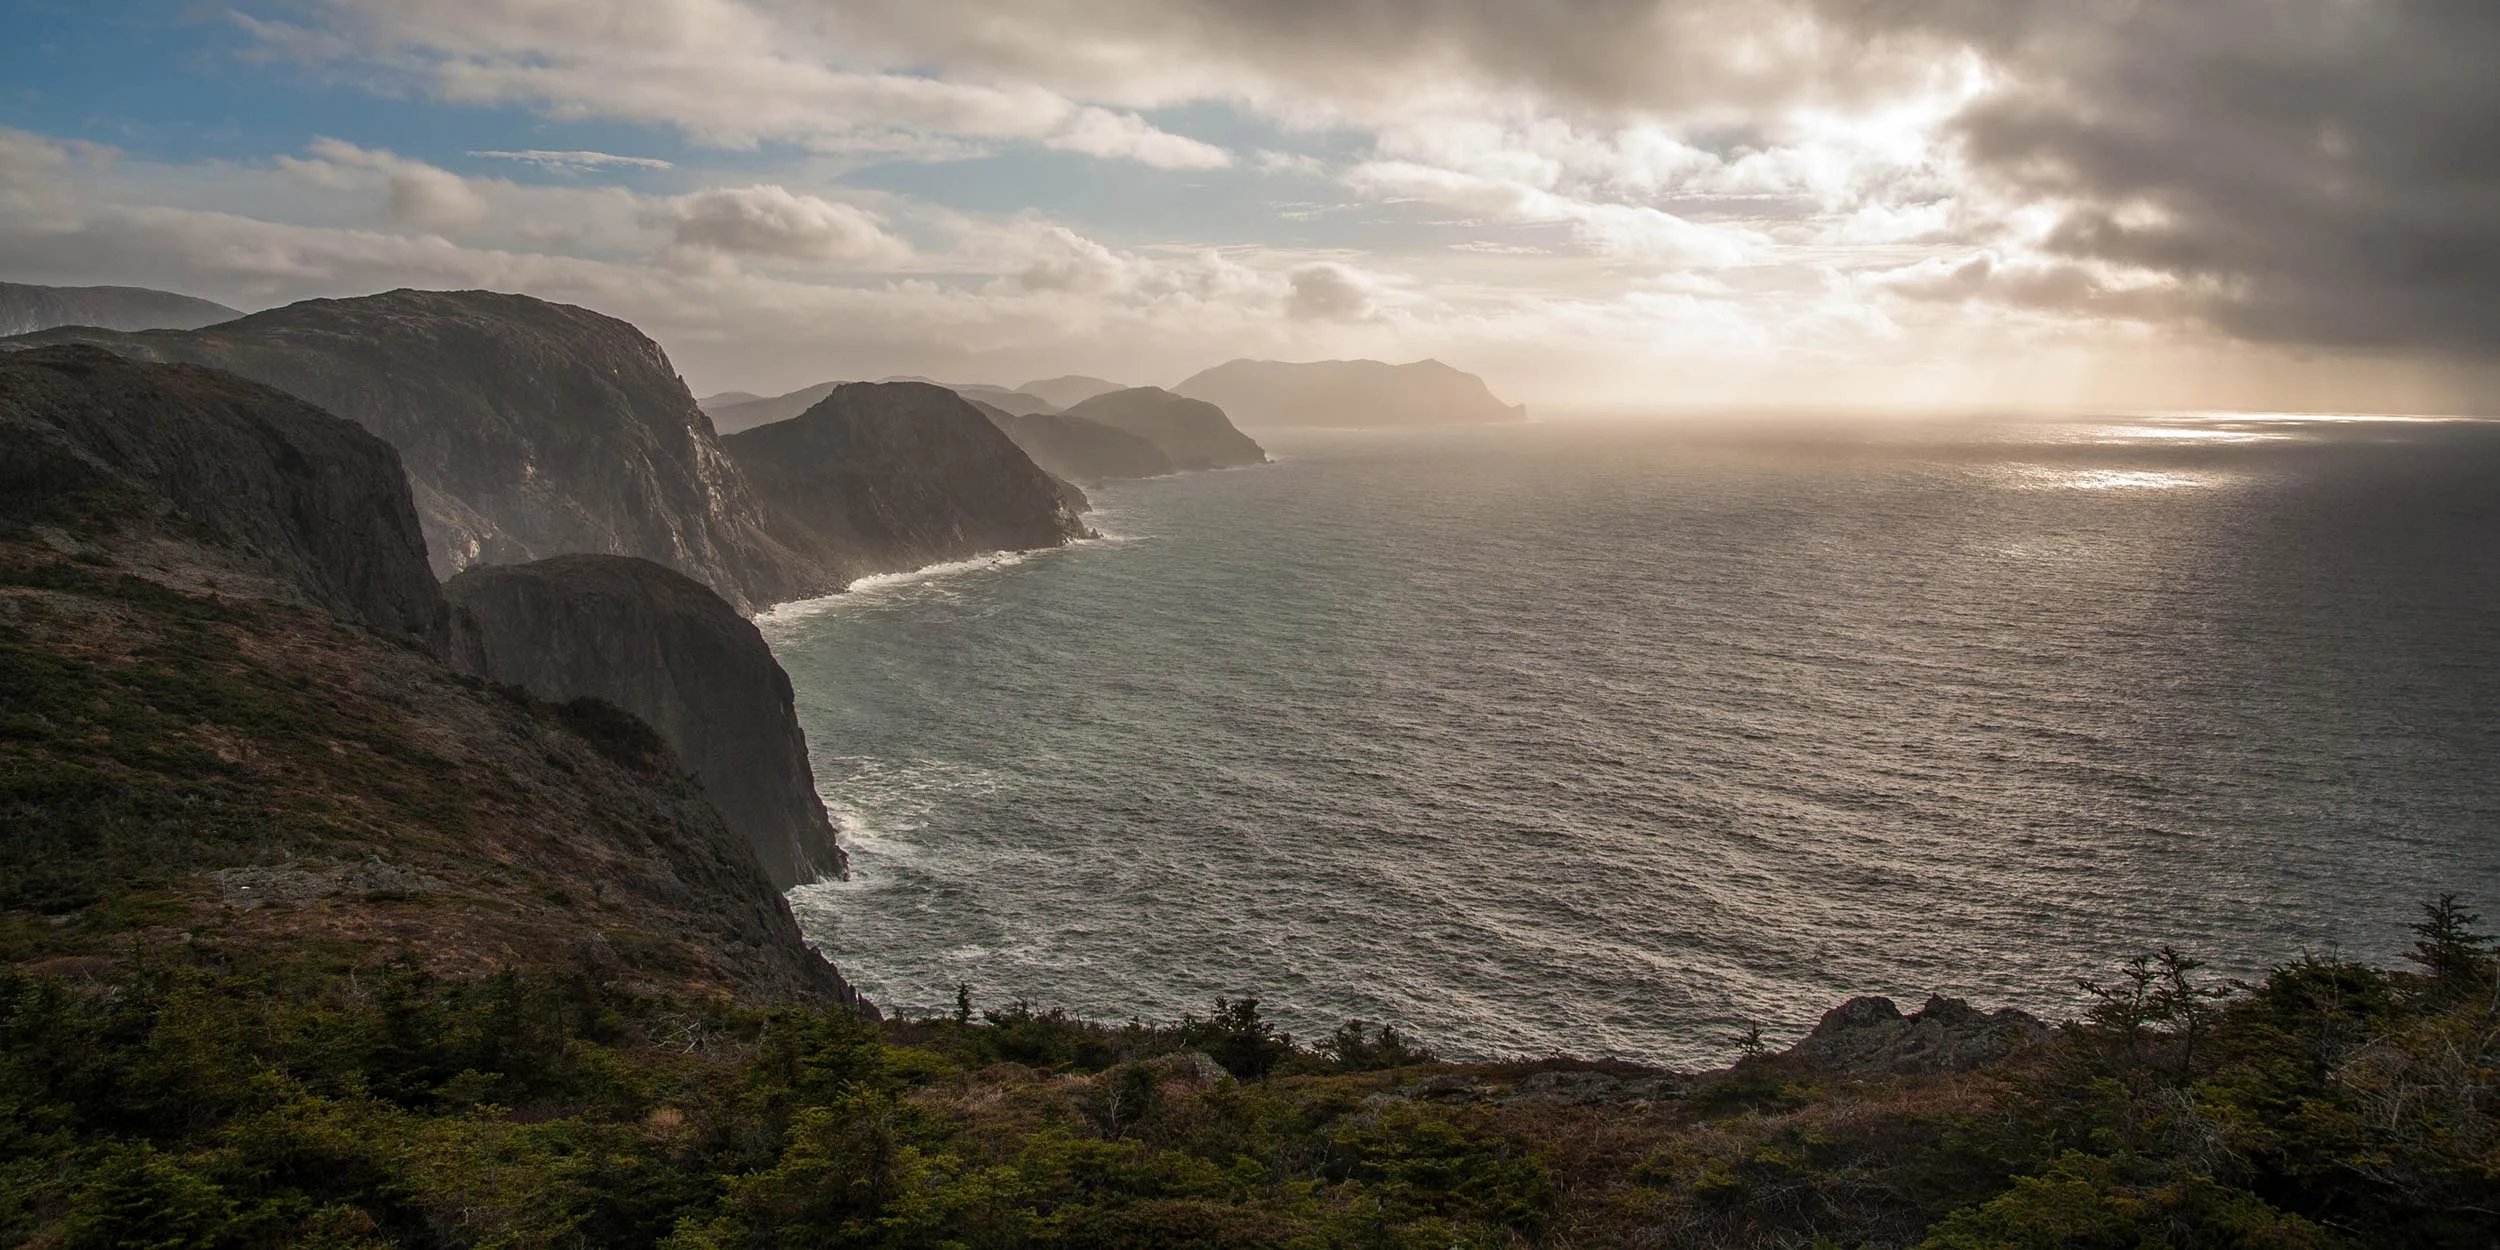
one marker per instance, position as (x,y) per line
(1613,738)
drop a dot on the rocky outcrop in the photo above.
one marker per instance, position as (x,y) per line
(305,500)
(528,429)
(885,477)
(1870,1036)
(1077,449)
(1349,393)
(25,308)
(254,772)
(668,650)
(1191,433)
(1069,391)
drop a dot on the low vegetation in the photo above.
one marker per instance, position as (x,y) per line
(218,1098)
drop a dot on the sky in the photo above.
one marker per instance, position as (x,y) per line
(1602,205)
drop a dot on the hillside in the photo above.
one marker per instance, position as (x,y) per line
(528,429)
(1080,450)
(1071,390)
(25,308)
(1348,393)
(212,744)
(1191,433)
(900,475)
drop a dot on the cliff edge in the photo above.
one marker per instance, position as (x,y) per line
(661,646)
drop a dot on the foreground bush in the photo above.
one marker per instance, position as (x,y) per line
(223,1099)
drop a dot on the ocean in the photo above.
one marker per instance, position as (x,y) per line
(1619,737)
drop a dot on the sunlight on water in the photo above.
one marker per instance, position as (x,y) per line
(1622,737)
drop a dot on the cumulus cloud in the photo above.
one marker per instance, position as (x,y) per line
(774,222)
(2313,172)
(1099,132)
(420,194)
(1325,292)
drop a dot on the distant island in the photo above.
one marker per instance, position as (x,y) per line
(1349,393)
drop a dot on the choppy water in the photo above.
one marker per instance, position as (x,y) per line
(1610,738)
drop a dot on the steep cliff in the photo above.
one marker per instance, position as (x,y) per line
(1192,433)
(1077,449)
(528,429)
(208,751)
(1349,393)
(312,505)
(25,308)
(891,476)
(666,649)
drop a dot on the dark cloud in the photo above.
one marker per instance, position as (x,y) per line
(2314,172)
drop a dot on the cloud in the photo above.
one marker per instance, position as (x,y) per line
(575,161)
(1098,132)
(420,194)
(771,221)
(1325,292)
(2309,172)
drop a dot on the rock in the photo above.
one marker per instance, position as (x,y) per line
(1069,391)
(1870,1036)
(287,490)
(884,477)
(1192,434)
(1447,1087)
(527,428)
(1348,393)
(1080,450)
(25,308)
(1192,1069)
(668,650)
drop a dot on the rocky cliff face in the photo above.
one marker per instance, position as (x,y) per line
(308,502)
(528,429)
(1192,433)
(885,477)
(1349,393)
(25,309)
(668,650)
(206,754)
(1080,450)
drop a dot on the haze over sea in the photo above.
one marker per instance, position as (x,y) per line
(1615,737)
